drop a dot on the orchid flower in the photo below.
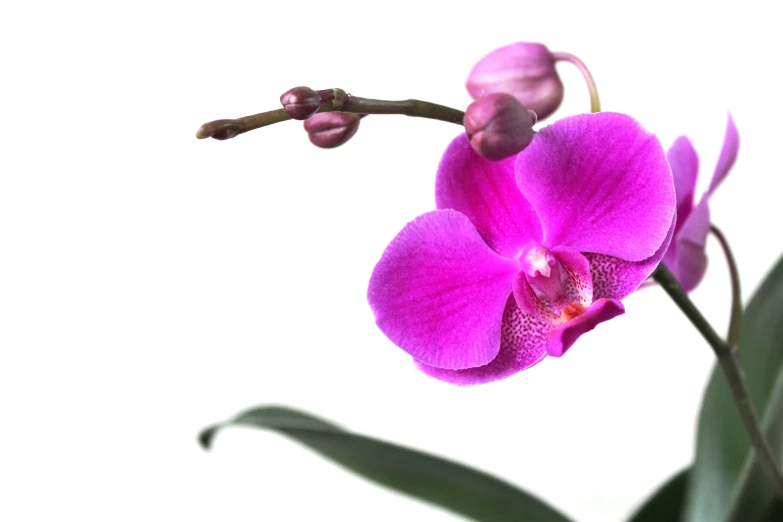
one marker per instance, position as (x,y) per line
(686,257)
(526,254)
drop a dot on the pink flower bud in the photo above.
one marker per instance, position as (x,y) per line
(300,102)
(524,70)
(498,126)
(331,129)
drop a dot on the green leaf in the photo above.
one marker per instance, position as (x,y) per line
(453,486)
(666,504)
(775,514)
(726,483)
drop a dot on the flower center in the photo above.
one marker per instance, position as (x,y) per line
(543,272)
(537,260)
(553,289)
(575,309)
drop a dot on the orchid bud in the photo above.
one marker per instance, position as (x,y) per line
(331,129)
(524,70)
(498,126)
(300,102)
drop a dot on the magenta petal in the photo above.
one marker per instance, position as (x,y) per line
(487,193)
(616,278)
(728,155)
(560,339)
(685,169)
(690,262)
(523,344)
(599,183)
(439,292)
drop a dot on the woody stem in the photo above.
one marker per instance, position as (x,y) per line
(729,363)
(226,129)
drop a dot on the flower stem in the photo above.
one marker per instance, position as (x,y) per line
(736,298)
(595,103)
(727,358)
(226,129)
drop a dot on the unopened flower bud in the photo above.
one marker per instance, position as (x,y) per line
(300,102)
(524,70)
(331,129)
(498,126)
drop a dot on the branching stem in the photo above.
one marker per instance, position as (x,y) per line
(729,363)
(736,298)
(595,103)
(226,129)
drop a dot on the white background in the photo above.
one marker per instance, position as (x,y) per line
(152,283)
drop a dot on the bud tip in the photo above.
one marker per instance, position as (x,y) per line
(498,126)
(300,102)
(328,130)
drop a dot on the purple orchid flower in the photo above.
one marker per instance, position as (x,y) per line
(686,257)
(526,254)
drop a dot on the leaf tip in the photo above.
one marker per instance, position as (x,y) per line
(207,435)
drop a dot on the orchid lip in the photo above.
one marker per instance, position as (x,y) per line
(572,311)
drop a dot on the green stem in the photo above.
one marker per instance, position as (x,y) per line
(595,103)
(729,363)
(226,129)
(736,298)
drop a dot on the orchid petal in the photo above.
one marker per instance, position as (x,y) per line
(685,169)
(595,181)
(523,344)
(439,292)
(560,339)
(728,155)
(691,243)
(615,278)
(487,193)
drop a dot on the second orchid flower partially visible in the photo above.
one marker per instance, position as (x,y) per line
(686,257)
(526,254)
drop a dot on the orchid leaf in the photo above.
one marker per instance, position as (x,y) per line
(453,486)
(726,483)
(667,503)
(775,514)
